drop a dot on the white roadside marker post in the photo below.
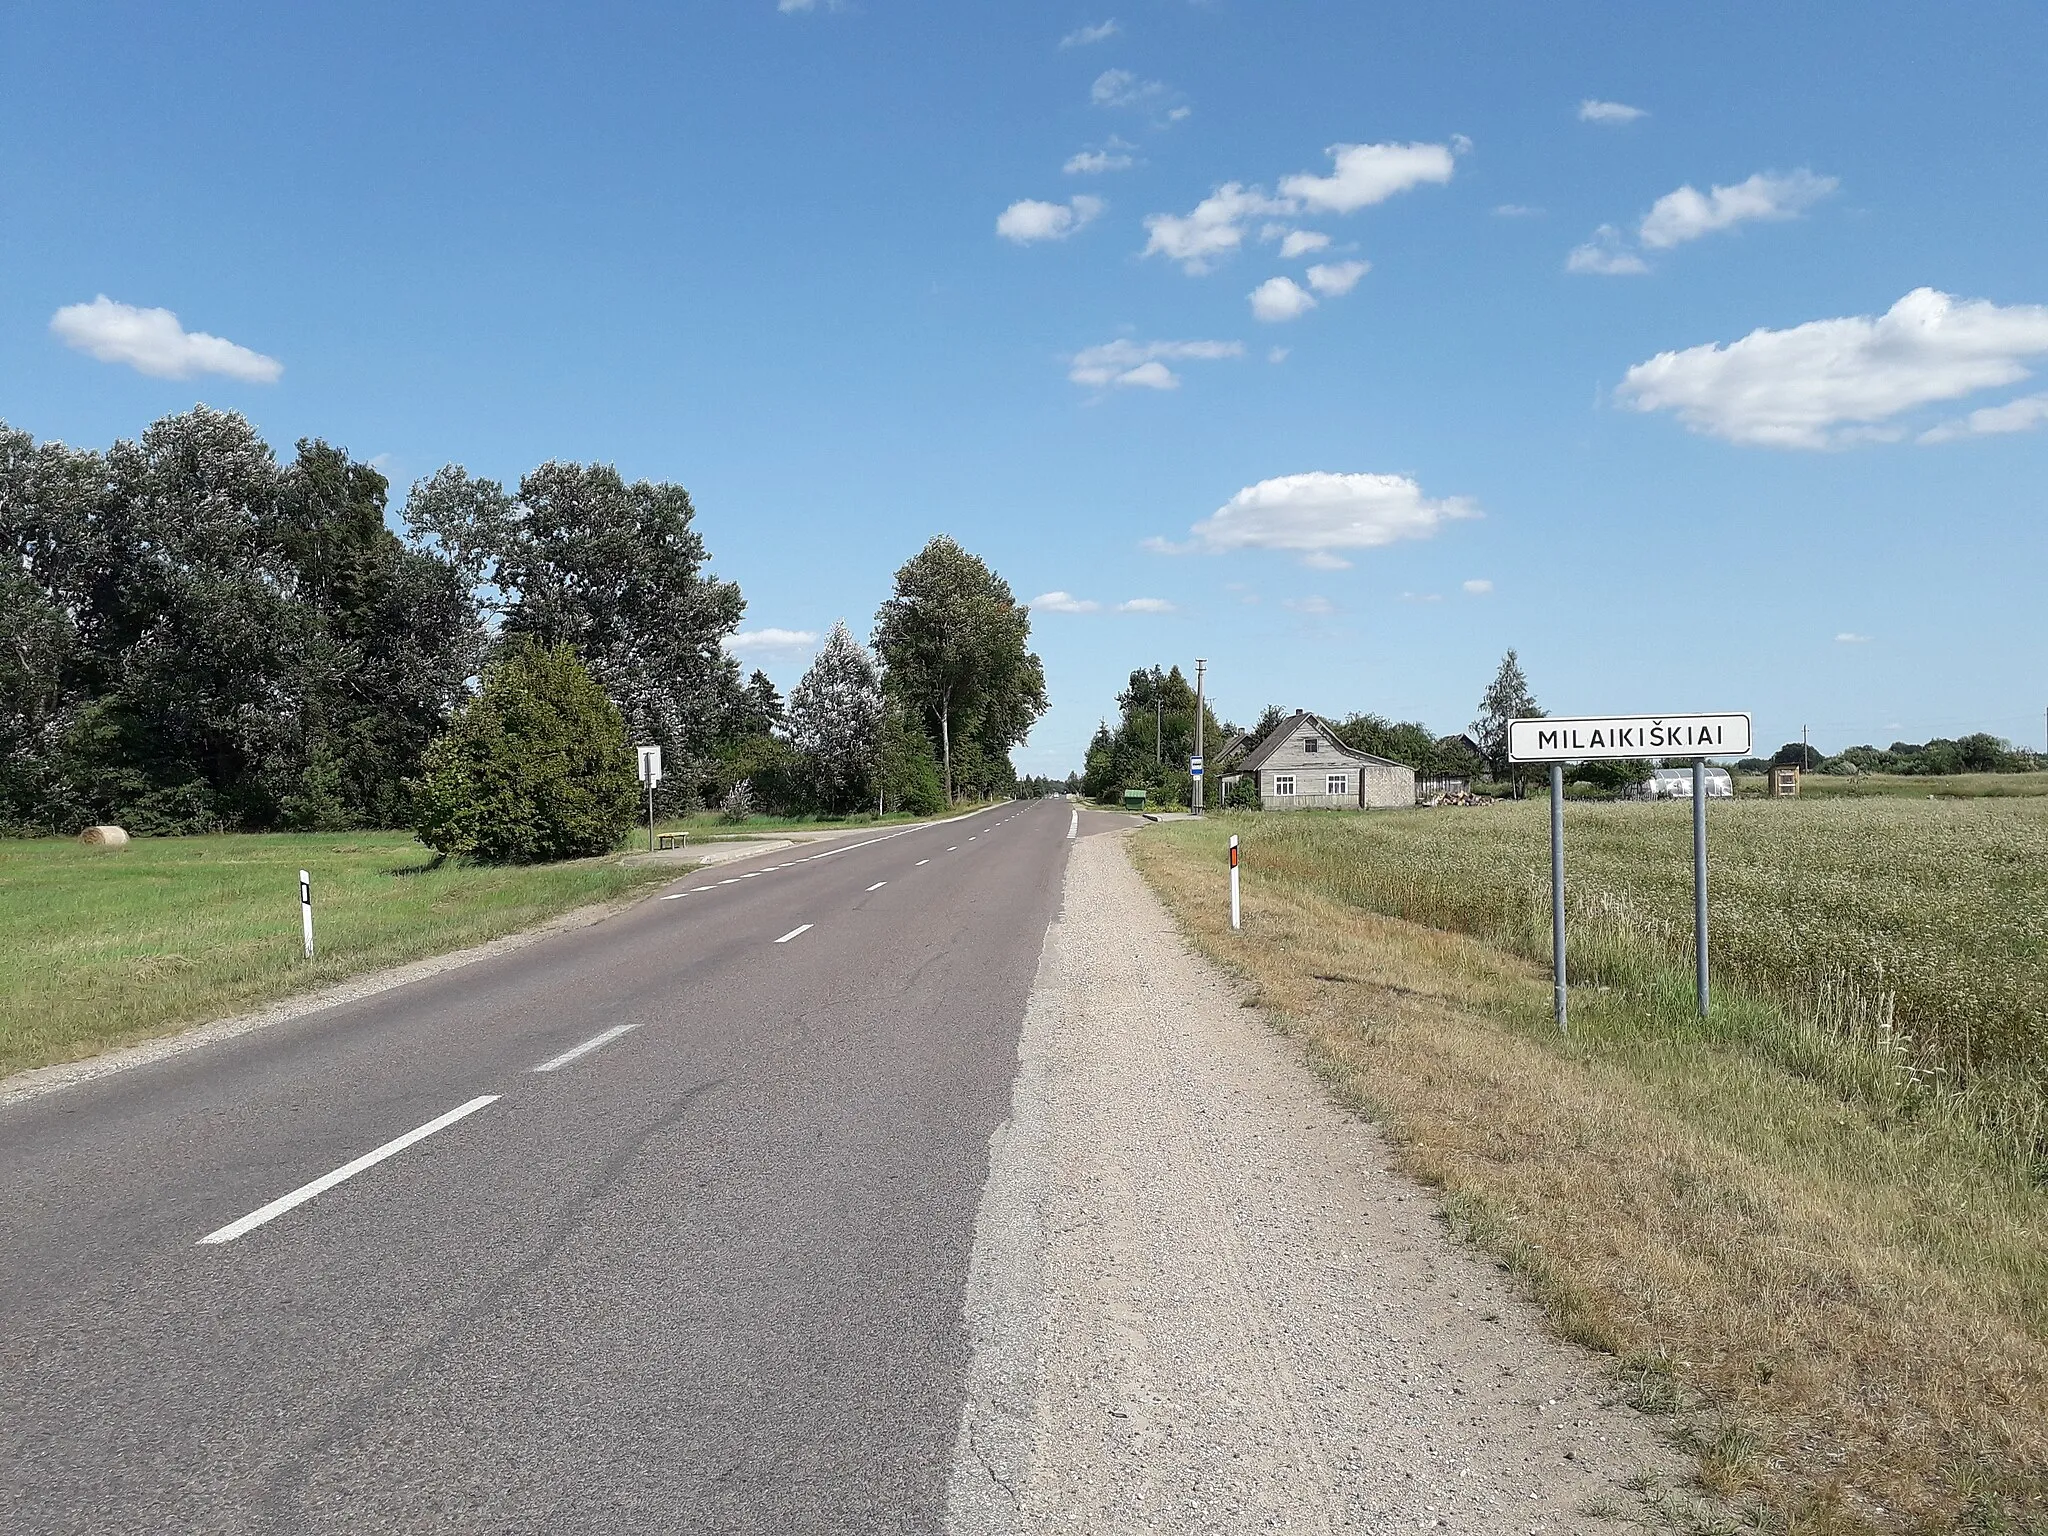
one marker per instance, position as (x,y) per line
(306,909)
(1234,923)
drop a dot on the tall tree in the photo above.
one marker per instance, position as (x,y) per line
(954,644)
(1506,698)
(581,557)
(835,721)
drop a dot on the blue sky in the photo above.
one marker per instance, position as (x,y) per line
(777,254)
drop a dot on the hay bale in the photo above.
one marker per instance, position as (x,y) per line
(104,837)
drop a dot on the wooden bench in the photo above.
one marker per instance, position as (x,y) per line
(664,841)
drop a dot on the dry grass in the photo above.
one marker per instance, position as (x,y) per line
(1845,1310)
(104,947)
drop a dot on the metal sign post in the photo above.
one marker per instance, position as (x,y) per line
(1201,666)
(306,909)
(1699,879)
(1606,737)
(1560,1000)
(1234,923)
(650,775)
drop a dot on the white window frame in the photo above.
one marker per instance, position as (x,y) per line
(1337,784)
(1283,783)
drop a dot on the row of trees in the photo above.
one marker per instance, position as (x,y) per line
(1980,752)
(196,637)
(1152,741)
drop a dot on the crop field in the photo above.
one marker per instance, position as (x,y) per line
(1812,1230)
(1906,941)
(104,947)
(1947,786)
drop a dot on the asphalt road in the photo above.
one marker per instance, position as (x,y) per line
(705,1276)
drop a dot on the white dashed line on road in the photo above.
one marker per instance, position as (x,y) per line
(327,1181)
(801,928)
(920,864)
(877,885)
(586,1047)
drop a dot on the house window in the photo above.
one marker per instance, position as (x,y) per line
(1339,783)
(1311,744)
(1283,783)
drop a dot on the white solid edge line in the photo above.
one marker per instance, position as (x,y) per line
(877,885)
(586,1047)
(327,1181)
(801,928)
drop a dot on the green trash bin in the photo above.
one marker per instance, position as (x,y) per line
(1134,799)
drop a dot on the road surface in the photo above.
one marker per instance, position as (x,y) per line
(660,1225)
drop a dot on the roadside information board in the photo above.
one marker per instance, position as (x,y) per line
(1195,767)
(1595,738)
(650,766)
(1609,736)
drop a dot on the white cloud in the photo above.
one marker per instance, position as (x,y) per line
(151,341)
(1611,112)
(1606,255)
(1369,173)
(1142,364)
(1479,587)
(1422,597)
(2021,415)
(1847,637)
(1094,162)
(1324,560)
(1516,211)
(1831,382)
(1335,279)
(1145,605)
(1319,512)
(1029,220)
(797,7)
(1081,37)
(1687,214)
(1308,604)
(1364,174)
(1277,354)
(1121,88)
(1301,242)
(1215,227)
(771,642)
(1281,298)
(1062,602)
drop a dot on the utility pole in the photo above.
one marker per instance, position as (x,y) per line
(1200,664)
(1805,753)
(1158,738)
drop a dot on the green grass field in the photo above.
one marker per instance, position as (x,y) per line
(707,825)
(100,948)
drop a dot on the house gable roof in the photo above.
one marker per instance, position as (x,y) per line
(1302,722)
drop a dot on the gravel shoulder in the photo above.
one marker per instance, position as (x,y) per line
(1202,1300)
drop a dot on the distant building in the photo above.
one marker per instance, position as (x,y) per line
(1302,766)
(1676,784)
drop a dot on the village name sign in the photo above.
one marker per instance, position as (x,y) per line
(1607,736)
(1597,737)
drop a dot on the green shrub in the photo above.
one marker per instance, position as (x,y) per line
(535,767)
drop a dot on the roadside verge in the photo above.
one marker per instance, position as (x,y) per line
(1838,1314)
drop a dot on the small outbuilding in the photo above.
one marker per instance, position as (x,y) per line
(1302,766)
(1676,784)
